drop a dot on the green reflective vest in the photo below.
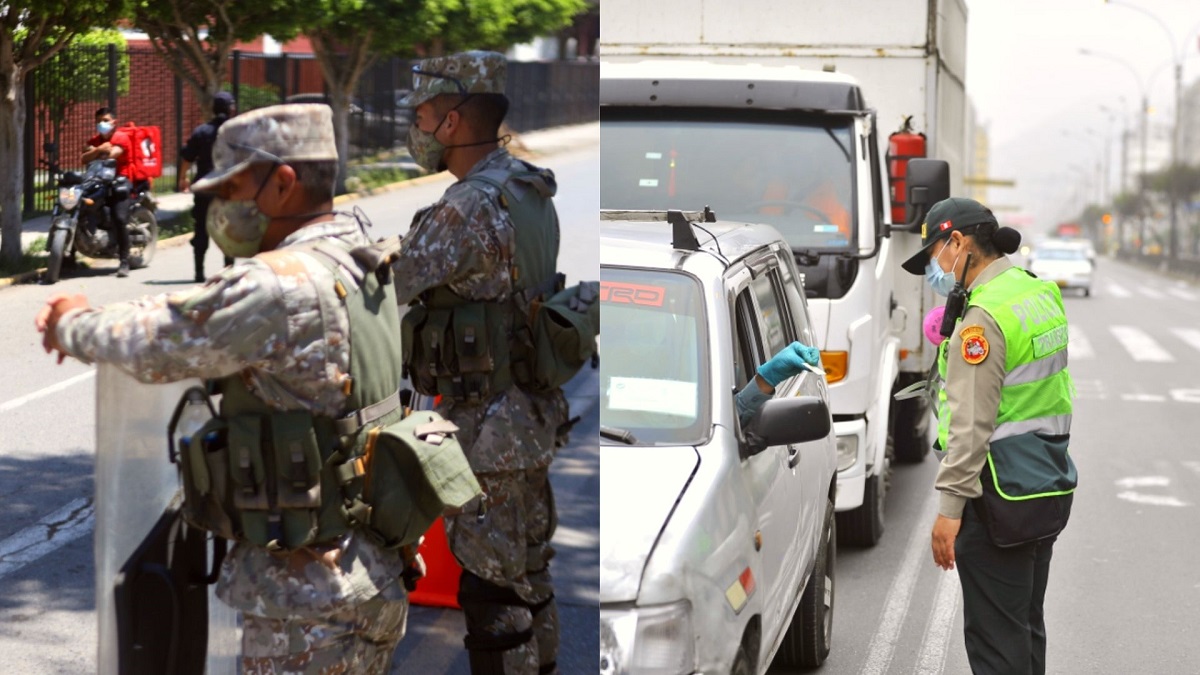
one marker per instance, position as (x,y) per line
(1027,454)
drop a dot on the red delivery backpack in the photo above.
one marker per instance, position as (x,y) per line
(147,160)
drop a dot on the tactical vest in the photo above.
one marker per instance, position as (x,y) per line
(1027,452)
(287,479)
(471,350)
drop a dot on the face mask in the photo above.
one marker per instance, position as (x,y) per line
(425,148)
(104,128)
(941,282)
(237,227)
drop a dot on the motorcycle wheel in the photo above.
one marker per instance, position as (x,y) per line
(58,249)
(143,237)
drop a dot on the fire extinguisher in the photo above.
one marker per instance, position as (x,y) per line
(903,145)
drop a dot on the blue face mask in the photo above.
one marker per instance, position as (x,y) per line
(941,282)
(104,128)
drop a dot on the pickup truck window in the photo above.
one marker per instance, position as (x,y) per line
(749,342)
(654,363)
(781,168)
(775,318)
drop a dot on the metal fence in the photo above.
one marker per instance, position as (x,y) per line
(63,95)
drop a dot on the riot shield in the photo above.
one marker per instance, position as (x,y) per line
(155,606)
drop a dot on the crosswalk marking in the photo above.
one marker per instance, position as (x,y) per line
(1140,345)
(1150,292)
(1182,294)
(1118,291)
(1188,335)
(1078,346)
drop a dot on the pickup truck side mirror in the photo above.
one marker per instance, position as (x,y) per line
(927,183)
(784,421)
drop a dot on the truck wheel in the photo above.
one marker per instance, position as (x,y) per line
(910,422)
(806,643)
(864,526)
(57,248)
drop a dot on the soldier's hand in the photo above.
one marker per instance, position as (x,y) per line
(945,531)
(47,319)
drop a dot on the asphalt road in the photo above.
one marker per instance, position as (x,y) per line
(47,440)
(1124,591)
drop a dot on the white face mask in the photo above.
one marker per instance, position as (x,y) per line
(104,128)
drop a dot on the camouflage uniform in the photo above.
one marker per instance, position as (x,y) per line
(465,242)
(336,608)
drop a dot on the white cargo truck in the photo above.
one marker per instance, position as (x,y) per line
(781,113)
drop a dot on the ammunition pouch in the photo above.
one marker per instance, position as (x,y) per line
(457,349)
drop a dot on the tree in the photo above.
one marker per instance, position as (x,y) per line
(31,32)
(1178,183)
(498,24)
(78,74)
(196,37)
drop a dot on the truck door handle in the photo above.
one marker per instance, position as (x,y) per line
(793,456)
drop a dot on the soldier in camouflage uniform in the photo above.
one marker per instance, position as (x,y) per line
(465,242)
(336,606)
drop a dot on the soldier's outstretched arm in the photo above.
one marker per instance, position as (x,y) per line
(238,320)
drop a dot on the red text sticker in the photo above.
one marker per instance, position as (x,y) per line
(632,294)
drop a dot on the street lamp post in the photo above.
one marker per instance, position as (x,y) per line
(1178,57)
(1145,124)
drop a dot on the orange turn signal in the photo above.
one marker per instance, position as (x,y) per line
(834,364)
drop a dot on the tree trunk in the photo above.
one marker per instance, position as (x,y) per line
(340,101)
(12,169)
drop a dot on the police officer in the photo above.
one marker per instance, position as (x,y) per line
(277,334)
(458,259)
(199,151)
(1006,481)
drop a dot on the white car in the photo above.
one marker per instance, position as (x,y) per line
(1070,265)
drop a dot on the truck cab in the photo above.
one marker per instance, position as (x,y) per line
(798,150)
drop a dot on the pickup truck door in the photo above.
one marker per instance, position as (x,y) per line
(772,485)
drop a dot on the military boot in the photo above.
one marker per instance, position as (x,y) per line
(199,257)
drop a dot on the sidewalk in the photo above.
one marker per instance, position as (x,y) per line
(532,145)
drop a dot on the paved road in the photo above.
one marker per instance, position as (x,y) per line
(47,432)
(1124,594)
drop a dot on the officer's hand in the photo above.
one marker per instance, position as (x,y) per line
(47,320)
(791,360)
(945,531)
(184,184)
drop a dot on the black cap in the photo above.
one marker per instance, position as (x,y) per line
(222,103)
(946,216)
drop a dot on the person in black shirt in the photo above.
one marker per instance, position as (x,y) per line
(198,150)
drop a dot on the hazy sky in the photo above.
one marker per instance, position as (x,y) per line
(1029,82)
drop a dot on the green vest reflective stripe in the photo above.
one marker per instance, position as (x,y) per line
(1028,448)
(291,485)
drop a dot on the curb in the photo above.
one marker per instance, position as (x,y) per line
(179,240)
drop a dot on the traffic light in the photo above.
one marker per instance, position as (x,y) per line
(1106,219)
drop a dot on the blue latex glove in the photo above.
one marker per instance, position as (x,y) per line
(790,361)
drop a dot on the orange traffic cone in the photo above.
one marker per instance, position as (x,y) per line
(439,586)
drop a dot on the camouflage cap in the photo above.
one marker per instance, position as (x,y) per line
(295,132)
(465,73)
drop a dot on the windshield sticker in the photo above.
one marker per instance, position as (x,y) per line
(632,294)
(648,182)
(667,397)
(653,155)
(825,228)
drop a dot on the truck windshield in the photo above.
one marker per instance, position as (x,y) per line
(785,169)
(653,361)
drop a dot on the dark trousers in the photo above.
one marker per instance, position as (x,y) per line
(120,213)
(200,206)
(1003,594)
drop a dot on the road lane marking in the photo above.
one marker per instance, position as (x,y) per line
(1140,345)
(1185,395)
(1078,346)
(1143,398)
(1118,291)
(1188,335)
(1152,500)
(1143,481)
(1092,390)
(895,606)
(934,646)
(1150,292)
(1146,482)
(58,529)
(1182,294)
(52,389)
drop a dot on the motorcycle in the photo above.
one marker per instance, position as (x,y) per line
(81,221)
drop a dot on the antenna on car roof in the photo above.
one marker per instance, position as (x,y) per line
(682,236)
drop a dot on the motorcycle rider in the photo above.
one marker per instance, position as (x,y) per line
(113,143)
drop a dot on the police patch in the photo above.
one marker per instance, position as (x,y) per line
(974,345)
